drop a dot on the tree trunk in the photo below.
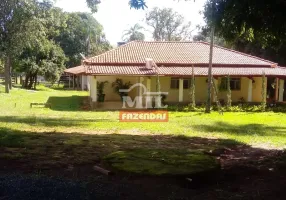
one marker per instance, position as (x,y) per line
(10,74)
(208,105)
(21,81)
(7,74)
(27,77)
(31,82)
(35,79)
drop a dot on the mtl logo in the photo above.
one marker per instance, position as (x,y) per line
(140,105)
(149,98)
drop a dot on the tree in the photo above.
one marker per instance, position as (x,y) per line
(168,25)
(81,35)
(12,19)
(204,35)
(137,4)
(1,67)
(44,58)
(19,27)
(249,27)
(134,33)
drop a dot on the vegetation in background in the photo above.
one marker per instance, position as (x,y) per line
(134,33)
(168,25)
(43,58)
(36,38)
(82,34)
(17,28)
(248,27)
(137,4)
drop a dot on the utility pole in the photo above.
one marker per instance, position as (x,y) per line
(208,104)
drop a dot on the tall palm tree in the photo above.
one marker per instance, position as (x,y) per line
(134,33)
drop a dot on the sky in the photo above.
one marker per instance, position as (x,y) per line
(116,16)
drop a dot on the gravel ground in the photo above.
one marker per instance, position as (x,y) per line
(30,187)
(14,187)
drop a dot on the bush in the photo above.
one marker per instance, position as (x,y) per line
(234,108)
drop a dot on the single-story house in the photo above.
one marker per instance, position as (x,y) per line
(175,61)
(77,77)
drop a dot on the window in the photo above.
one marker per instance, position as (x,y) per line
(235,84)
(175,82)
(187,83)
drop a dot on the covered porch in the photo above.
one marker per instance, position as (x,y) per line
(244,89)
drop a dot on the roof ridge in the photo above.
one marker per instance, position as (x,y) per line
(89,59)
(241,53)
(139,41)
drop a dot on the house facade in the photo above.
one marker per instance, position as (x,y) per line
(174,63)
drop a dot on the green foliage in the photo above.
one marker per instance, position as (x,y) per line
(162,162)
(92,4)
(204,35)
(38,38)
(243,107)
(168,25)
(118,84)
(134,33)
(137,4)
(1,67)
(100,87)
(81,35)
(248,26)
(42,57)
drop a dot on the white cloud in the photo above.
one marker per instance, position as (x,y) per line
(116,15)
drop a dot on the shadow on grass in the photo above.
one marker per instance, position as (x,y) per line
(22,150)
(247,129)
(69,103)
(50,122)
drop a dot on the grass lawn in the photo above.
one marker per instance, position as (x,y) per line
(66,134)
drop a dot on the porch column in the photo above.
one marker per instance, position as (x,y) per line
(73,82)
(93,88)
(82,82)
(69,81)
(281,90)
(140,91)
(215,97)
(249,96)
(181,90)
(149,84)
(88,82)
(265,90)
(148,101)
(78,82)
(276,88)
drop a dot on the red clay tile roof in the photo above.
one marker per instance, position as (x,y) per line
(175,54)
(184,71)
(75,70)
